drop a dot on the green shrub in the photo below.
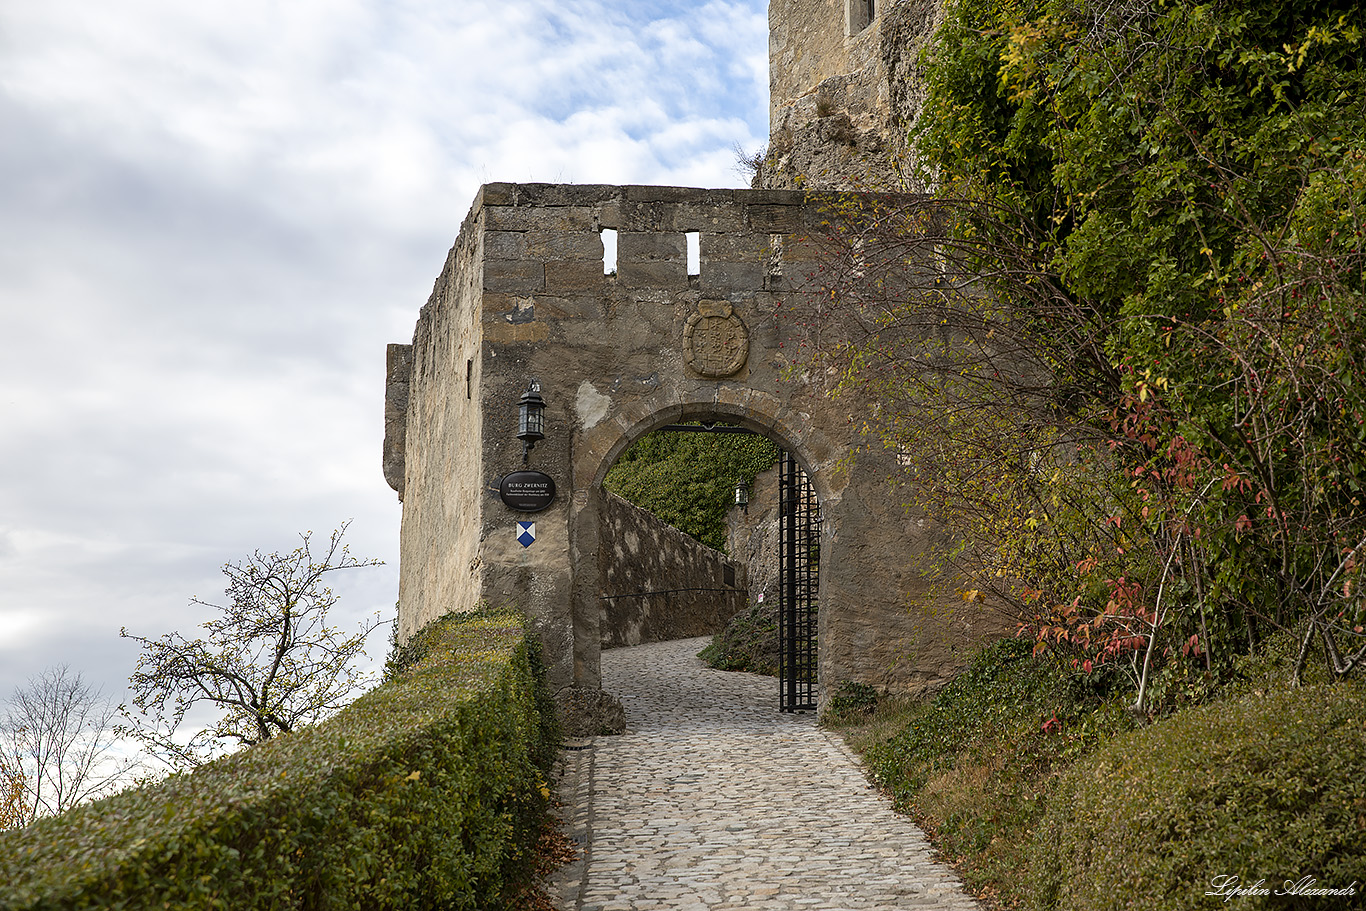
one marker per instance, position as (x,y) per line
(1006,696)
(425,792)
(748,643)
(688,479)
(1262,788)
(850,702)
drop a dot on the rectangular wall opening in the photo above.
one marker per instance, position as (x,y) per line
(859,14)
(694,239)
(609,250)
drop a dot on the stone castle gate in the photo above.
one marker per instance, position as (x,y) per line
(526,295)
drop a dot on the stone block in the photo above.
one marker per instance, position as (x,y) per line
(559,245)
(668,194)
(545,194)
(505,245)
(770,219)
(511,275)
(588,712)
(650,246)
(539,218)
(398,377)
(644,217)
(571,306)
(699,216)
(770,197)
(726,279)
(668,276)
(497,194)
(510,334)
(575,276)
(609,214)
(735,248)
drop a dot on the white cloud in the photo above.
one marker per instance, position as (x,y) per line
(213,217)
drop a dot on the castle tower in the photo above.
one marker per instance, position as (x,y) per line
(843,89)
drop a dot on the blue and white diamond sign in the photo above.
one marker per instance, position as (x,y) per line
(526,533)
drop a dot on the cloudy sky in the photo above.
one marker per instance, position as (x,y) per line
(214,216)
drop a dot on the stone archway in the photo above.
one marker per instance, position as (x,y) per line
(525,295)
(593,528)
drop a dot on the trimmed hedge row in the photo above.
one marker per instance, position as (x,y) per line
(426,792)
(1253,793)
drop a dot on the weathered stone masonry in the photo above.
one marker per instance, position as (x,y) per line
(843,91)
(658,583)
(524,296)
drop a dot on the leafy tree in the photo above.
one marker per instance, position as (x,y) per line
(1137,390)
(11,796)
(688,479)
(270,662)
(56,746)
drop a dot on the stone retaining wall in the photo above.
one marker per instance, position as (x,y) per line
(659,583)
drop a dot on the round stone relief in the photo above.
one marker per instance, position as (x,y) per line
(715,340)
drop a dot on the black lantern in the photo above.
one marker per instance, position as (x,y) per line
(530,418)
(742,496)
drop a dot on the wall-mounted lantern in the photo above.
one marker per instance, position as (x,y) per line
(526,490)
(742,496)
(530,418)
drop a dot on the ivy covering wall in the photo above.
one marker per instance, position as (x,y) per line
(688,479)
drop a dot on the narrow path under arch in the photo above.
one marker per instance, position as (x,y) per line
(714,800)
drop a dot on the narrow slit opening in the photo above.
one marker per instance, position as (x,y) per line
(609,250)
(694,239)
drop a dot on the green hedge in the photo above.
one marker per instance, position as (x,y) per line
(426,792)
(1261,788)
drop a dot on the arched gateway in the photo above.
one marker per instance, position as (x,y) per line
(525,296)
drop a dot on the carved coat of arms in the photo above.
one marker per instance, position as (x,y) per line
(715,340)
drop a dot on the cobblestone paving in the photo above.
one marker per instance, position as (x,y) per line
(713,799)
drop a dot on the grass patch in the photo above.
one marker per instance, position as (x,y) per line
(1046,793)
(972,764)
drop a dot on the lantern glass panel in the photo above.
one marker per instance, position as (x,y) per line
(531,415)
(532,423)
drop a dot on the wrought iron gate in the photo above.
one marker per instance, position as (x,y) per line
(799,524)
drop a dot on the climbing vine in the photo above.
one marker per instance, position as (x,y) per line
(1134,385)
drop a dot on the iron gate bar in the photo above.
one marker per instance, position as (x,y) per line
(798,586)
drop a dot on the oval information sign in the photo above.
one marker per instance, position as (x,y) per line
(527,491)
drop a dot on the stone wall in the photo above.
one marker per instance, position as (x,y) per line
(526,295)
(440,473)
(659,583)
(752,537)
(841,101)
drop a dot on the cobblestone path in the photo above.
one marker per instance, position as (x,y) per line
(713,799)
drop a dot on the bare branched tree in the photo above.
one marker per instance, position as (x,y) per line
(56,743)
(270,662)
